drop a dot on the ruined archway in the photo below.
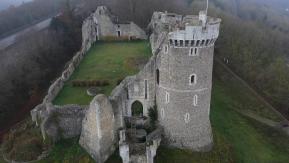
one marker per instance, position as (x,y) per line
(137,108)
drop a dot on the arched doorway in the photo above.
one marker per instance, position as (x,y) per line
(137,108)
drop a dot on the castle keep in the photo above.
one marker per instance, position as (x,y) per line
(177,80)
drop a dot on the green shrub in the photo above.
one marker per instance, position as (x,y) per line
(90,83)
(153,114)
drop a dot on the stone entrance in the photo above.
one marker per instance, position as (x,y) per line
(137,108)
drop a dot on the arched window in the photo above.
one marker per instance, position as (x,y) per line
(137,108)
(158,76)
(193,79)
(176,42)
(195,102)
(187,117)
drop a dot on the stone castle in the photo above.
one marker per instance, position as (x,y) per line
(177,80)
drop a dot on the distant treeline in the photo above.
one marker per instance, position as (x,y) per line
(29,67)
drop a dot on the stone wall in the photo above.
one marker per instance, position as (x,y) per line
(40,114)
(64,121)
(98,136)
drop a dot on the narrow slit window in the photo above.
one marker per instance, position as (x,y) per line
(195,100)
(167,97)
(191,51)
(176,42)
(193,79)
(196,51)
(171,42)
(158,76)
(187,117)
(166,49)
(146,89)
(162,113)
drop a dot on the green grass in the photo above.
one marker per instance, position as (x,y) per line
(105,61)
(240,97)
(67,151)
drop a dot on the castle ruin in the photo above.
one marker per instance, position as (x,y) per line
(177,80)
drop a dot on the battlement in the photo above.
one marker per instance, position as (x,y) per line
(187,31)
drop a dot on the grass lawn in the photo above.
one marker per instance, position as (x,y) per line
(105,61)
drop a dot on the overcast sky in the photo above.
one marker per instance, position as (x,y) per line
(6,3)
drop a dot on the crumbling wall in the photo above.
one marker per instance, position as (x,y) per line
(40,114)
(98,136)
(63,121)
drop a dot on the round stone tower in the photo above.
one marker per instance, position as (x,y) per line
(184,78)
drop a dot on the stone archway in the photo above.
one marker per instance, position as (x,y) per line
(137,108)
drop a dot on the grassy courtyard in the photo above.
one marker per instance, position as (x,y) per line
(105,61)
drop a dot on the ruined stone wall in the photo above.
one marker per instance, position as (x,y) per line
(64,121)
(41,112)
(98,135)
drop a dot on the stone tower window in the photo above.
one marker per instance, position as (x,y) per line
(158,76)
(207,42)
(162,113)
(193,52)
(187,117)
(181,43)
(195,102)
(171,42)
(166,49)
(193,79)
(146,89)
(176,42)
(198,42)
(203,43)
(192,42)
(167,97)
(187,43)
